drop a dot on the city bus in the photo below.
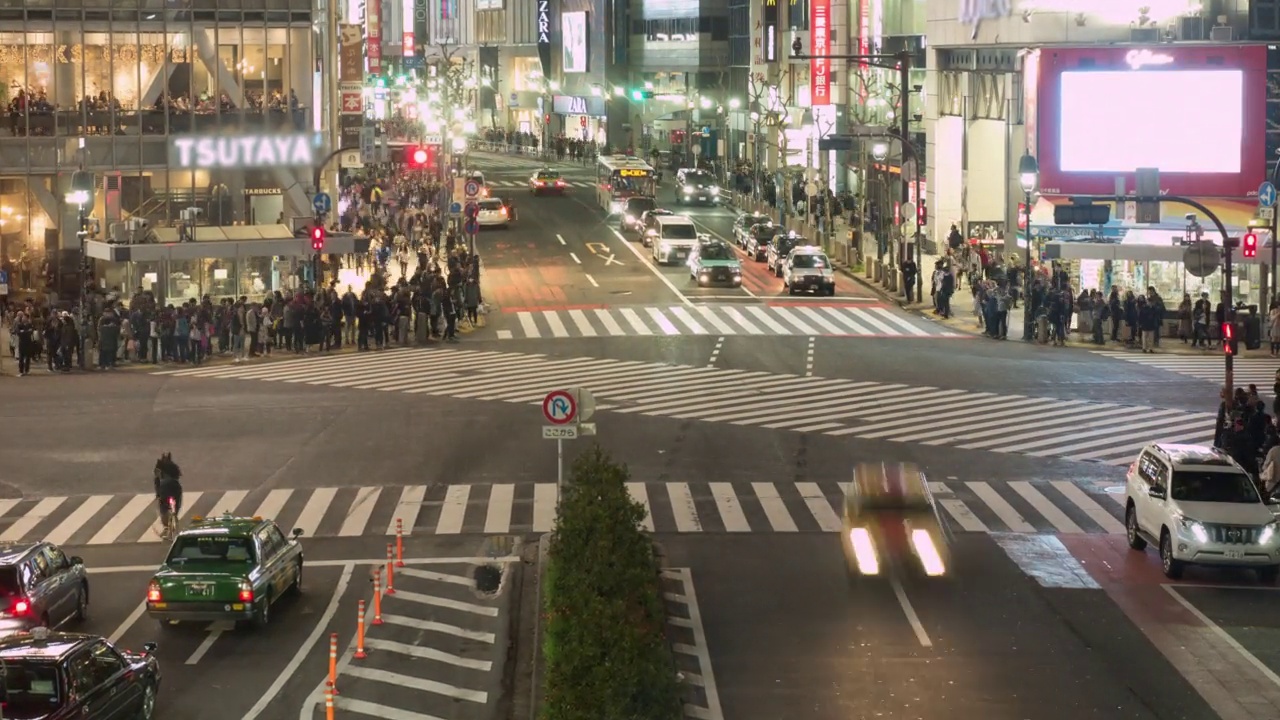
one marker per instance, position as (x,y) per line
(619,177)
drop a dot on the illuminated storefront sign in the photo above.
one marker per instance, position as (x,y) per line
(373,37)
(1138,59)
(248,151)
(771,30)
(973,12)
(543,8)
(820,66)
(578,105)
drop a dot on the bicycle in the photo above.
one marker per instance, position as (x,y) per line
(169,521)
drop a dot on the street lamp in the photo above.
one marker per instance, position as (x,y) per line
(734,103)
(618,91)
(1029,178)
(880,151)
(596,90)
(705,102)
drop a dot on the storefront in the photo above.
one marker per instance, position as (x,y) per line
(582,118)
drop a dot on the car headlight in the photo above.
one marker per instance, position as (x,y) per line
(715,191)
(1196,529)
(664,247)
(628,218)
(864,551)
(687,189)
(736,271)
(1268,534)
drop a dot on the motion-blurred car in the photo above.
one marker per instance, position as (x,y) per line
(649,224)
(776,255)
(61,676)
(759,240)
(493,213)
(713,262)
(633,213)
(743,224)
(40,585)
(891,523)
(696,186)
(807,268)
(544,182)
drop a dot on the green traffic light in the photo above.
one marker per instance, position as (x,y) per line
(381,82)
(636,95)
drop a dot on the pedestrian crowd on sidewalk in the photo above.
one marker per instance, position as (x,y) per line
(1251,436)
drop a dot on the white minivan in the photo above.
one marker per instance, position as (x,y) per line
(676,238)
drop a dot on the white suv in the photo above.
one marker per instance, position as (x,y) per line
(1199,508)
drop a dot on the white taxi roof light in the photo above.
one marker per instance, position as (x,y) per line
(864,551)
(927,551)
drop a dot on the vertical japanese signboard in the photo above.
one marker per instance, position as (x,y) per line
(820,65)
(350,54)
(373,36)
(770,39)
(543,20)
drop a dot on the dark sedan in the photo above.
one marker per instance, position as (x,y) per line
(60,676)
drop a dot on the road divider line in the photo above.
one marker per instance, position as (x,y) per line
(592,280)
(477,560)
(431,686)
(439,627)
(441,602)
(808,358)
(910,612)
(419,652)
(575,258)
(436,576)
(656,272)
(700,648)
(561,239)
(215,631)
(1223,635)
(715,352)
(119,632)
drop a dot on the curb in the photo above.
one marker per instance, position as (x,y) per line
(539,577)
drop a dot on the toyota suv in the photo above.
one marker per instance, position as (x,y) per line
(1198,507)
(675,239)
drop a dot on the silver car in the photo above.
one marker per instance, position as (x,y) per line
(807,268)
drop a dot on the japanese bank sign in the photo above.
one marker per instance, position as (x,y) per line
(244,151)
(820,65)
(543,20)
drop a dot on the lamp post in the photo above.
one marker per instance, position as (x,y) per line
(879,153)
(1029,178)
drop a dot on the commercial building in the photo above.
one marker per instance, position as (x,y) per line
(112,88)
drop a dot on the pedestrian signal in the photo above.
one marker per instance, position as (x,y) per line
(1249,245)
(420,157)
(1230,345)
(317,238)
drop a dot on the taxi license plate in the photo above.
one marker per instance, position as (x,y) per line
(203,589)
(682,255)
(1235,554)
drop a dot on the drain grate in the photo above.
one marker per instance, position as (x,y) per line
(488,578)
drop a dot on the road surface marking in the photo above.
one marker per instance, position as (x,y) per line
(561,239)
(730,509)
(1096,512)
(742,322)
(715,352)
(360,512)
(682,314)
(418,652)
(713,709)
(408,509)
(591,280)
(584,325)
(899,321)
(666,325)
(553,321)
(808,358)
(812,316)
(1000,507)
(633,319)
(454,510)
(119,632)
(1231,642)
(121,521)
(273,504)
(575,258)
(1046,559)
(610,325)
(313,512)
(498,517)
(683,508)
(910,612)
(29,520)
(787,315)
(774,509)
(504,335)
(846,319)
(441,602)
(1037,500)
(656,272)
(544,507)
(819,507)
(527,324)
(434,576)
(767,321)
(215,631)
(439,627)
(963,515)
(714,321)
(371,562)
(90,507)
(305,650)
(640,494)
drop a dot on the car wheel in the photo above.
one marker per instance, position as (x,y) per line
(262,614)
(1136,541)
(1172,566)
(148,707)
(1267,575)
(82,603)
(296,587)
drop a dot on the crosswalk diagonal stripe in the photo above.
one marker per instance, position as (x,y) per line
(1048,510)
(888,317)
(611,326)
(662,322)
(715,322)
(759,314)
(813,316)
(846,317)
(791,319)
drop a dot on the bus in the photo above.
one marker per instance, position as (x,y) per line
(619,177)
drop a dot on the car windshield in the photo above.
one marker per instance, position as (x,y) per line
(211,548)
(1218,487)
(680,231)
(490,204)
(752,220)
(548,175)
(9,584)
(699,178)
(639,205)
(30,689)
(715,251)
(762,231)
(810,261)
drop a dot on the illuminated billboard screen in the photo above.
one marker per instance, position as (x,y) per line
(1150,123)
(574,35)
(1195,113)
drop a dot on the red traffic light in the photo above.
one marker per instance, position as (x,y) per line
(1228,338)
(1249,245)
(419,157)
(317,238)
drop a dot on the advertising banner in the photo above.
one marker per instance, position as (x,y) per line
(420,21)
(373,37)
(820,65)
(543,24)
(770,30)
(350,53)
(573,40)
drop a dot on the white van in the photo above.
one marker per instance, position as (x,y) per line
(677,236)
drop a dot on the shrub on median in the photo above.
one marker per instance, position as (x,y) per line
(605,645)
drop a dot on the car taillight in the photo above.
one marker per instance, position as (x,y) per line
(21,607)
(540,183)
(246,592)
(153,592)
(559,183)
(503,211)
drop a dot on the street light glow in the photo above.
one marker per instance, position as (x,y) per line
(78,197)
(553,85)
(619,91)
(880,151)
(734,103)
(596,91)
(705,103)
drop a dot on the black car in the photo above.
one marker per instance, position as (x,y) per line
(743,224)
(759,239)
(59,676)
(633,213)
(776,255)
(696,186)
(40,586)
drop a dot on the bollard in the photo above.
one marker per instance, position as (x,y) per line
(360,653)
(391,572)
(333,663)
(328,705)
(399,542)
(377,596)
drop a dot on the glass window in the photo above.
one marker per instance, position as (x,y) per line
(57,558)
(40,566)
(679,231)
(107,663)
(809,261)
(715,251)
(490,204)
(10,584)
(31,689)
(195,549)
(1201,486)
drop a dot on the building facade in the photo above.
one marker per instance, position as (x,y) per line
(110,89)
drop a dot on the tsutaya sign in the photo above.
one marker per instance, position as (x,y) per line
(973,12)
(245,151)
(1138,59)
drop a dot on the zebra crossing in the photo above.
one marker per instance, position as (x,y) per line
(672,507)
(1257,370)
(775,320)
(1078,430)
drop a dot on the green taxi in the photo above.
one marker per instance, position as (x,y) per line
(713,262)
(225,568)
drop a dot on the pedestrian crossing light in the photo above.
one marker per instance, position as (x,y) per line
(1249,245)
(636,95)
(1229,342)
(317,238)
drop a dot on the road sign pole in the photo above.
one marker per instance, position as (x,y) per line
(559,470)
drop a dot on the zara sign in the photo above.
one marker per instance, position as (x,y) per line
(245,151)
(544,35)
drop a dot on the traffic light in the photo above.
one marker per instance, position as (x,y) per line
(317,238)
(546,118)
(419,157)
(1230,346)
(636,95)
(1249,245)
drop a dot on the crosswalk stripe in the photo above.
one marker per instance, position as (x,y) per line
(682,507)
(663,323)
(313,514)
(273,503)
(765,320)
(360,512)
(498,517)
(1059,519)
(527,324)
(610,325)
(583,325)
(961,513)
(774,509)
(1109,414)
(1010,517)
(90,507)
(639,493)
(1095,511)
(742,322)
(553,321)
(1208,367)
(28,521)
(544,507)
(121,521)
(730,510)
(407,510)
(791,318)
(819,507)
(714,321)
(813,316)
(687,320)
(635,322)
(454,510)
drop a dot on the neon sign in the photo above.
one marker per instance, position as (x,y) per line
(819,67)
(1138,59)
(249,151)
